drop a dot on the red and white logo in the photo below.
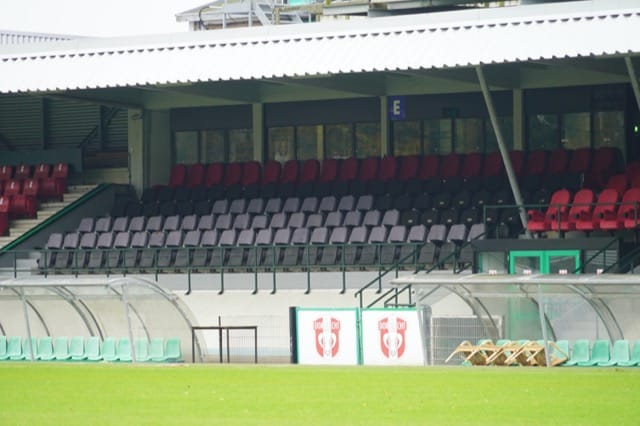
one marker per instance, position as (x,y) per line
(327,336)
(392,340)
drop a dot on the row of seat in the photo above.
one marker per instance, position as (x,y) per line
(286,247)
(596,163)
(45,181)
(15,348)
(583,212)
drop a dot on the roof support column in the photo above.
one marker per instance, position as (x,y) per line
(32,354)
(501,145)
(634,79)
(543,327)
(257,124)
(384,126)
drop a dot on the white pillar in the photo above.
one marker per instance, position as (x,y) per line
(135,136)
(159,155)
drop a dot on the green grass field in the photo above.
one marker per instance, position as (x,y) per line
(67,394)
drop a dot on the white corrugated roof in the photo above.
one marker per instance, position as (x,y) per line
(437,40)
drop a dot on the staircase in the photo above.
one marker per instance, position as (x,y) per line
(19,227)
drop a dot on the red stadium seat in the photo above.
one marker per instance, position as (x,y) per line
(605,207)
(558,162)
(450,165)
(195,175)
(214,174)
(517,161)
(61,173)
(409,166)
(251,173)
(12,188)
(31,187)
(606,162)
(233,174)
(4,215)
(430,167)
(291,171)
(348,169)
(368,169)
(582,206)
(580,161)
(23,171)
(6,173)
(271,172)
(388,169)
(310,171)
(178,175)
(545,221)
(471,165)
(536,163)
(329,172)
(618,182)
(493,165)
(626,216)
(42,171)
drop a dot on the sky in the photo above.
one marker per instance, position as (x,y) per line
(104,18)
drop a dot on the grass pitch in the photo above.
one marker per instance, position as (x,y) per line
(74,394)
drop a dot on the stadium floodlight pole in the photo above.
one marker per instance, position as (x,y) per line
(501,145)
(634,79)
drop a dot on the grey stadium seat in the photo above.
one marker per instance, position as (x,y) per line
(172,243)
(190,241)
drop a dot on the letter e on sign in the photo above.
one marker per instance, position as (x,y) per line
(396,107)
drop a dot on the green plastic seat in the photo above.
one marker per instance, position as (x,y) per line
(156,349)
(580,353)
(599,353)
(76,348)
(3,348)
(14,349)
(26,349)
(634,359)
(619,353)
(45,349)
(124,350)
(172,351)
(109,349)
(61,348)
(561,350)
(92,350)
(142,350)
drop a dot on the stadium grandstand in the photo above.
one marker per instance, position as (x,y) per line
(478,164)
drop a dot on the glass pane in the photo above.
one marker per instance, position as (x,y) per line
(562,264)
(406,137)
(240,145)
(608,129)
(307,138)
(437,136)
(469,135)
(186,147)
(506,127)
(281,144)
(576,130)
(367,140)
(526,264)
(338,141)
(543,132)
(212,146)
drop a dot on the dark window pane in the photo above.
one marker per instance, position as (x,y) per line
(406,137)
(543,132)
(506,127)
(338,141)
(281,144)
(437,136)
(608,129)
(212,146)
(367,140)
(469,135)
(186,147)
(240,145)
(576,130)
(307,141)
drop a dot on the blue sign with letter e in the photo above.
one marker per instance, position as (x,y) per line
(396,107)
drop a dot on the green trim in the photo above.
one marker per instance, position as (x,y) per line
(80,201)
(544,256)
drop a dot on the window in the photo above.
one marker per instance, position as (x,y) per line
(186,147)
(212,146)
(367,140)
(338,141)
(608,129)
(240,145)
(308,138)
(469,135)
(281,146)
(506,127)
(543,132)
(437,136)
(406,137)
(576,130)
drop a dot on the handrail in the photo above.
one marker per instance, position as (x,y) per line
(580,268)
(86,197)
(627,259)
